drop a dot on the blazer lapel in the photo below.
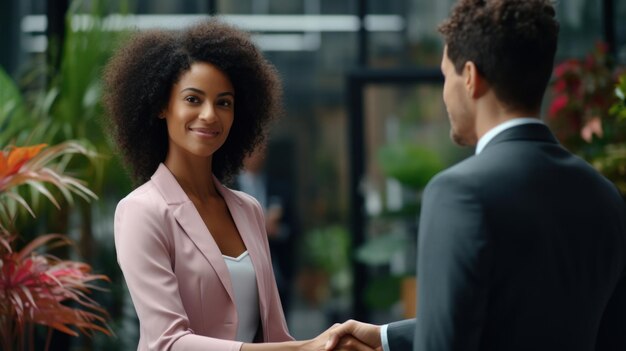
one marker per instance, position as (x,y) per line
(246,223)
(189,219)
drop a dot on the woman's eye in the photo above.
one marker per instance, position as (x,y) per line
(225,103)
(192,99)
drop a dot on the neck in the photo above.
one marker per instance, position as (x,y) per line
(490,112)
(194,174)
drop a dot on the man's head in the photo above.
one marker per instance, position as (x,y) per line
(509,43)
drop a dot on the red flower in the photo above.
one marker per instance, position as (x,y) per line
(560,86)
(565,67)
(558,104)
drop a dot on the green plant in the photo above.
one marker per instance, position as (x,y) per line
(327,249)
(53,103)
(408,163)
(612,161)
(413,166)
(325,256)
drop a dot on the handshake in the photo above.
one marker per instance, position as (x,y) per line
(349,336)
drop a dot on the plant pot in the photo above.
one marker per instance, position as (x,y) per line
(408,293)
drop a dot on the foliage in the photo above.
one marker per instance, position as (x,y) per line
(619,108)
(586,112)
(383,292)
(29,165)
(35,289)
(53,104)
(327,249)
(410,164)
(325,255)
(381,249)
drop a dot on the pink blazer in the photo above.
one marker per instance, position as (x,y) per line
(176,275)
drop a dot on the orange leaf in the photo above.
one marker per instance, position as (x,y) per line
(4,165)
(17,157)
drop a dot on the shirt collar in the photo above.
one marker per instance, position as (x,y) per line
(487,137)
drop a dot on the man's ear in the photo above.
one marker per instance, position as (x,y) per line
(475,84)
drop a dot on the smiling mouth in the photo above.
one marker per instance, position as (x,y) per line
(205,132)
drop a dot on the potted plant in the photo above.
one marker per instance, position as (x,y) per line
(325,257)
(412,166)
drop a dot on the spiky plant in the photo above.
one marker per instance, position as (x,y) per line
(38,288)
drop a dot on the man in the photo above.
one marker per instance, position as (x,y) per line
(523,245)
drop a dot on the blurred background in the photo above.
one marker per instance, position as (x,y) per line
(365,128)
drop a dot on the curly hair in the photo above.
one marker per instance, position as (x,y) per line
(140,75)
(511,42)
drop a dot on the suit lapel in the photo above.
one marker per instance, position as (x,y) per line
(246,223)
(191,223)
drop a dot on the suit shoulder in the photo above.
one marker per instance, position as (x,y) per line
(459,174)
(245,198)
(146,199)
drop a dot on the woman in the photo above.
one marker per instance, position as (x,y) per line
(185,108)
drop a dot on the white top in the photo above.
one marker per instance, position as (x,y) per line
(487,137)
(243,279)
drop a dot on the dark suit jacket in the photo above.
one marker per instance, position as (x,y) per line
(522,247)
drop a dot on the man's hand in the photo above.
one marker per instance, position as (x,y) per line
(369,334)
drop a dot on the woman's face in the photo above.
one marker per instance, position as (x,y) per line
(200,111)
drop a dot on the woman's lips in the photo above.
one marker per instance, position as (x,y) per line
(205,132)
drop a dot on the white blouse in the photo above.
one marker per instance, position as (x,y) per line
(243,279)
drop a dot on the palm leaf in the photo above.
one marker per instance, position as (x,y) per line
(37,167)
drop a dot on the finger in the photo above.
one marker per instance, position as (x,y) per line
(350,343)
(333,339)
(336,332)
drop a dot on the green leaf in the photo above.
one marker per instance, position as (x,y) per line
(383,292)
(327,248)
(619,93)
(380,250)
(410,164)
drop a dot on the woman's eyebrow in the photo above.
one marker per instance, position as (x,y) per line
(195,90)
(201,92)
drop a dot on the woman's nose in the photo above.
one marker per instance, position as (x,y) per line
(207,113)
